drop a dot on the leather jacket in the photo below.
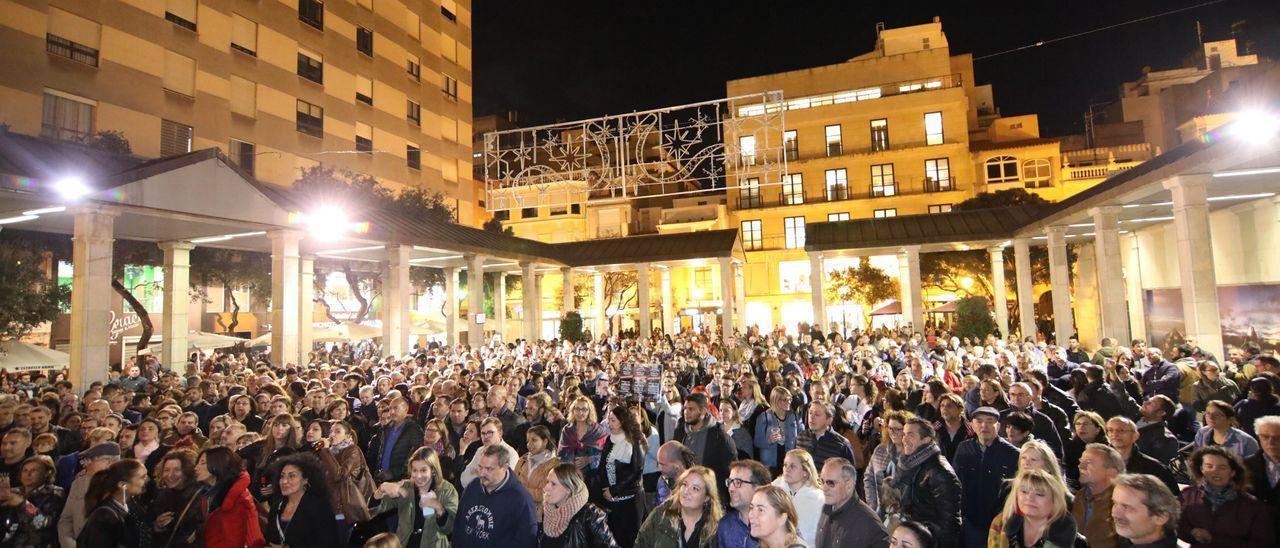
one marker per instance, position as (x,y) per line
(589,528)
(934,499)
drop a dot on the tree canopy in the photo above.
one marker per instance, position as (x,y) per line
(1001,198)
(29,296)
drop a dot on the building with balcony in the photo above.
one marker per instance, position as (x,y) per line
(381,88)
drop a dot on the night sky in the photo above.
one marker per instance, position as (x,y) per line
(565,60)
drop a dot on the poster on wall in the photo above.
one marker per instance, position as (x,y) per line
(1248,313)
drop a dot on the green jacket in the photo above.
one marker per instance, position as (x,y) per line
(434,533)
(658,532)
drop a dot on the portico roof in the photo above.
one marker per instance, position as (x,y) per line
(934,232)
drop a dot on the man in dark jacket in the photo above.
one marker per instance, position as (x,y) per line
(928,487)
(711,446)
(1163,377)
(820,440)
(394,442)
(1154,437)
(496,509)
(1264,466)
(1123,435)
(952,429)
(846,521)
(1020,400)
(982,465)
(1104,397)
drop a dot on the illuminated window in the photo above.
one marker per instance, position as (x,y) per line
(1036,173)
(937,173)
(933,128)
(792,189)
(883,213)
(794,227)
(882,182)
(835,145)
(747,149)
(790,145)
(940,208)
(879,135)
(749,194)
(1002,169)
(835,217)
(837,184)
(752,238)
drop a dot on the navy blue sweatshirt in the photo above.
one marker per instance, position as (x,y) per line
(503,516)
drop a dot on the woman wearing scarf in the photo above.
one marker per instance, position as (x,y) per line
(1216,510)
(533,467)
(884,457)
(619,475)
(568,519)
(582,439)
(349,481)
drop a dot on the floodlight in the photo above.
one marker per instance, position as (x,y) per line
(71,187)
(1255,126)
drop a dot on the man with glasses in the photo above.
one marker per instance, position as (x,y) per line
(744,477)
(490,435)
(1123,435)
(846,521)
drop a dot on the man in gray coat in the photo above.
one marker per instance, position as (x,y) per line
(846,521)
(93,459)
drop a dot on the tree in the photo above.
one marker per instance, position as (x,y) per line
(863,284)
(28,295)
(494,224)
(621,289)
(356,193)
(973,318)
(571,327)
(1001,198)
(234,270)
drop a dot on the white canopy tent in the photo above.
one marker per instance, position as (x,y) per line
(19,356)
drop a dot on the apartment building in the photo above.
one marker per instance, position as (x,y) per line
(381,87)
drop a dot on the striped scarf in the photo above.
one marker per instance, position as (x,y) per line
(556,517)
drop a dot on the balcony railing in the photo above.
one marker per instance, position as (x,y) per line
(774,197)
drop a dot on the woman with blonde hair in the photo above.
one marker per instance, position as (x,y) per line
(773,519)
(801,482)
(689,517)
(426,505)
(582,439)
(777,430)
(568,519)
(1035,514)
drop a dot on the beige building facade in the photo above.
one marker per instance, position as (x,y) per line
(381,88)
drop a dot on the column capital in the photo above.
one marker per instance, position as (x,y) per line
(997,249)
(910,249)
(815,255)
(1055,231)
(1099,211)
(566,269)
(1023,242)
(285,234)
(94,209)
(1187,180)
(175,245)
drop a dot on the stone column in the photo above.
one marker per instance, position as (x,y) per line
(1133,287)
(1195,260)
(475,300)
(1111,282)
(91,294)
(726,294)
(528,305)
(177,284)
(597,300)
(1026,288)
(306,306)
(500,307)
(537,305)
(396,292)
(284,296)
(1060,284)
(1085,299)
(912,293)
(451,305)
(1000,295)
(566,291)
(817,277)
(642,298)
(668,306)
(739,296)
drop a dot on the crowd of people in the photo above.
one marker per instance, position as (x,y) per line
(884,438)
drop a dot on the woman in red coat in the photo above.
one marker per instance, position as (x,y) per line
(231,519)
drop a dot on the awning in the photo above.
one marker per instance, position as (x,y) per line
(19,356)
(211,341)
(891,307)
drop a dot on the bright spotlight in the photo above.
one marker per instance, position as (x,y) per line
(1255,126)
(71,188)
(328,223)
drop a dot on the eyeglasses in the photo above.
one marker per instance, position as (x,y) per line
(734,483)
(831,483)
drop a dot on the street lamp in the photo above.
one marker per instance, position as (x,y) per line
(71,187)
(328,223)
(1255,126)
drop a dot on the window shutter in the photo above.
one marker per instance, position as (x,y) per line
(244,97)
(74,28)
(175,138)
(185,9)
(179,73)
(244,33)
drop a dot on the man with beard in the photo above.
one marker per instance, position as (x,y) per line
(186,432)
(744,477)
(700,432)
